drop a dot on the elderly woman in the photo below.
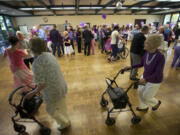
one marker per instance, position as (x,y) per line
(24,44)
(49,79)
(153,62)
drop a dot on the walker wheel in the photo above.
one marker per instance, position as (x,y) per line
(45,131)
(24,133)
(136,120)
(19,128)
(104,103)
(110,121)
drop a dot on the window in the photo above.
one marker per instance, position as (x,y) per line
(3,29)
(11,31)
(2,23)
(167,18)
(175,18)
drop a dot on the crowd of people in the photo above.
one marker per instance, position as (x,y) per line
(148,49)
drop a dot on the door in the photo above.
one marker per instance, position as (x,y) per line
(140,22)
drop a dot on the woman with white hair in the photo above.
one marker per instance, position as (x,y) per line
(153,62)
(24,44)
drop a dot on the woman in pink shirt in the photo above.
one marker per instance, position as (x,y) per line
(22,75)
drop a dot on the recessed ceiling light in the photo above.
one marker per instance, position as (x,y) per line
(39,8)
(63,8)
(26,8)
(110,7)
(84,7)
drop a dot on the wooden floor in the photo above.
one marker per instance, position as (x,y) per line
(85,76)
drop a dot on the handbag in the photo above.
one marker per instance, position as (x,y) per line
(32,105)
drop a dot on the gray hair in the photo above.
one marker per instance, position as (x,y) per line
(38,45)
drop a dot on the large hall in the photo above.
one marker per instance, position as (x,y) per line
(89,67)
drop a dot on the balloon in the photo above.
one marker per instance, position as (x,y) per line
(47,27)
(82,24)
(142,23)
(104,16)
(170,24)
(34,28)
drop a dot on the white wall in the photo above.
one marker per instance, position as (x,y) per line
(93,19)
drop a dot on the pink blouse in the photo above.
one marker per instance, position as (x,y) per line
(16,59)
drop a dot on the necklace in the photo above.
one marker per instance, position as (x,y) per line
(149,61)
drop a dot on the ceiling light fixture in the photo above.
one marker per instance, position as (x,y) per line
(63,8)
(26,8)
(119,4)
(39,8)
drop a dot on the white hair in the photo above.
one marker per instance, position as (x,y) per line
(19,32)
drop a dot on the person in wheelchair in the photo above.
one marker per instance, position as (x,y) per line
(153,62)
(50,81)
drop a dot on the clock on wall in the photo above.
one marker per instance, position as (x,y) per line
(45,19)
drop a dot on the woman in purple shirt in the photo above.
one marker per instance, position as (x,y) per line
(153,62)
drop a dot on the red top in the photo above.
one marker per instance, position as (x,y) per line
(16,59)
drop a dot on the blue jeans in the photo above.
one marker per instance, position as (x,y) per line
(114,50)
(176,59)
(175,43)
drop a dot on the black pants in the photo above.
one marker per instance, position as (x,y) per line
(72,43)
(79,46)
(169,43)
(28,61)
(114,50)
(62,48)
(87,46)
(56,46)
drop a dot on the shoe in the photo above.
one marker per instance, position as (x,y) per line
(142,110)
(109,59)
(134,79)
(154,108)
(60,127)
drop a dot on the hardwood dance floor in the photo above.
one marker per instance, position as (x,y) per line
(85,76)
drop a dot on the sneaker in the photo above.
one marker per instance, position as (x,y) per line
(154,108)
(142,110)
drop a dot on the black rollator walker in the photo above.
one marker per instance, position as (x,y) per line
(25,109)
(119,99)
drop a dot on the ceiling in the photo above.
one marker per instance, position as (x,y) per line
(86,7)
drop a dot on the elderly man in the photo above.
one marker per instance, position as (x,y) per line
(137,50)
(41,32)
(164,45)
(56,39)
(135,31)
(24,44)
(87,35)
(161,31)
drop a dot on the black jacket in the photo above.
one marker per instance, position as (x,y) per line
(55,36)
(87,35)
(137,45)
(177,33)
